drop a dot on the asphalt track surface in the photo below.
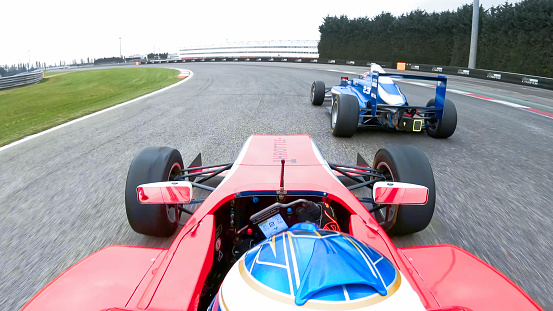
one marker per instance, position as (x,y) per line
(62,193)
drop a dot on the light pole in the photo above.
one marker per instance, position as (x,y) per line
(120,54)
(474,34)
(29,60)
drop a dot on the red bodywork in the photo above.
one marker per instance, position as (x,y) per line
(132,278)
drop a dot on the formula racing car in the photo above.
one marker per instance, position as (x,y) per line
(374,100)
(281,229)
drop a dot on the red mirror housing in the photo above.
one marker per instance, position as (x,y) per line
(165,192)
(385,192)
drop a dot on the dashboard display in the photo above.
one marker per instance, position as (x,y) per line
(273,225)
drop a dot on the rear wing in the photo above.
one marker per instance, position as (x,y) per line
(439,99)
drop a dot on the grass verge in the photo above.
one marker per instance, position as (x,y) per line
(61,98)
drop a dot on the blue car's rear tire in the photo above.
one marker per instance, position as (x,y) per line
(317,93)
(446,126)
(152,164)
(408,164)
(344,115)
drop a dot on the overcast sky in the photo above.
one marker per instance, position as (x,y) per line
(54,30)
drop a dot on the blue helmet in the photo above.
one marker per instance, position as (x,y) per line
(308,268)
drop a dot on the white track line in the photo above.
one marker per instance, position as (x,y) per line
(502,102)
(509,104)
(27,138)
(471,95)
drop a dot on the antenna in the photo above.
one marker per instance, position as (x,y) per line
(281,192)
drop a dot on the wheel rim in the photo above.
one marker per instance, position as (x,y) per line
(392,209)
(312,92)
(173,209)
(334,113)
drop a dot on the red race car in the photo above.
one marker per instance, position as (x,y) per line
(281,230)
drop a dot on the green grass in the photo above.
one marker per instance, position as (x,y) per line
(53,73)
(61,98)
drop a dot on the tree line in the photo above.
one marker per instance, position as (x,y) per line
(512,37)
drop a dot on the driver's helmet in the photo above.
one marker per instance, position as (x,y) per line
(374,67)
(308,268)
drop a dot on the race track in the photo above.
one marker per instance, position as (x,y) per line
(62,193)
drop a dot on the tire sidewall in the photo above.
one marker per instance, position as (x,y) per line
(408,164)
(446,126)
(151,164)
(346,108)
(317,93)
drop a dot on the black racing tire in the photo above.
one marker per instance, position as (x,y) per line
(446,126)
(152,164)
(406,164)
(344,115)
(317,93)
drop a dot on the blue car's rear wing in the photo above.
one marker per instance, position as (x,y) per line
(440,89)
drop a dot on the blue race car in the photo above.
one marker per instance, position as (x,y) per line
(374,100)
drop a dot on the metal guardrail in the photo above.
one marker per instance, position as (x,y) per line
(528,80)
(20,80)
(522,79)
(516,78)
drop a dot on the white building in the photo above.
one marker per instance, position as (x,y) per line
(254,49)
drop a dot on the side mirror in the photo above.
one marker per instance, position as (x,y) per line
(386,192)
(165,192)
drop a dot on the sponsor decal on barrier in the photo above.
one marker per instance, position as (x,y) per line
(530,81)
(506,103)
(522,79)
(350,62)
(332,61)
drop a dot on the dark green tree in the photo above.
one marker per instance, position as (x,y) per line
(513,37)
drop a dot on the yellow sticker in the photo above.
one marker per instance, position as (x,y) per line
(417,125)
